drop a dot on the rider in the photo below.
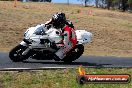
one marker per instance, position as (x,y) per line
(61,19)
(69,38)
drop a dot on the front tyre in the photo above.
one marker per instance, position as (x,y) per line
(16,54)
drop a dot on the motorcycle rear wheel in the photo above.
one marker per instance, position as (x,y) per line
(16,53)
(74,54)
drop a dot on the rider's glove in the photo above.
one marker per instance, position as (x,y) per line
(47,26)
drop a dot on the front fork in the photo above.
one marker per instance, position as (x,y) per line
(26,45)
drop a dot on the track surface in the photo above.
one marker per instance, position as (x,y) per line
(89,61)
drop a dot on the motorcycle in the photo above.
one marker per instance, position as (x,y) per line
(40,44)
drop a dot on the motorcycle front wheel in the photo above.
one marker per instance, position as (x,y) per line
(16,53)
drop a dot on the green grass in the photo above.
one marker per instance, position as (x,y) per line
(65,78)
(127,25)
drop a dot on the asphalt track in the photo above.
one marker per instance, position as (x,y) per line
(88,61)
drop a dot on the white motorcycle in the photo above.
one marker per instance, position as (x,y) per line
(40,43)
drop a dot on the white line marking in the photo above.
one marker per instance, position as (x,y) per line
(39,68)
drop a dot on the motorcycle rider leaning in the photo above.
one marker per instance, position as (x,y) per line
(57,19)
(69,38)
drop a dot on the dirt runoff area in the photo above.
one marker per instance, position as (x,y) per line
(112,30)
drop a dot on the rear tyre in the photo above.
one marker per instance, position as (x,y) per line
(74,54)
(16,53)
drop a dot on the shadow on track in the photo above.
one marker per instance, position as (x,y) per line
(67,64)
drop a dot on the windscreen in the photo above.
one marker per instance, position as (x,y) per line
(39,31)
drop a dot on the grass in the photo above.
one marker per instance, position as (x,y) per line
(112,30)
(65,78)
